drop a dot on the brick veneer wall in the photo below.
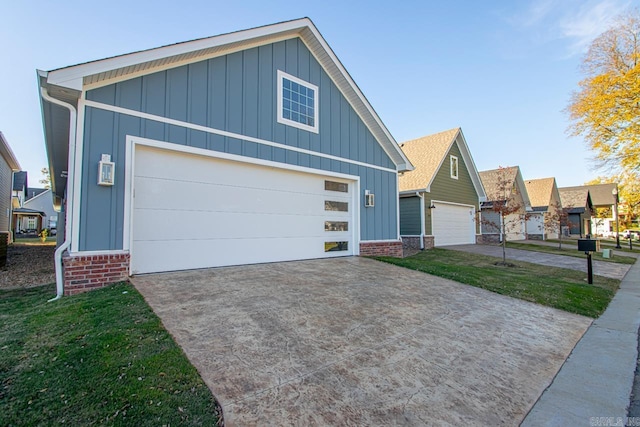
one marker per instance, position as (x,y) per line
(487,238)
(413,242)
(392,248)
(86,272)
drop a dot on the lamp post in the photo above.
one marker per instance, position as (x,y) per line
(615,194)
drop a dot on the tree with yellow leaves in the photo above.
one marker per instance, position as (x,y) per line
(606,109)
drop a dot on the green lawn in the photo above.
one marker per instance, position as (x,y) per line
(554,287)
(570,250)
(101,357)
(51,240)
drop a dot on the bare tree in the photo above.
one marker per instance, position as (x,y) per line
(556,219)
(505,206)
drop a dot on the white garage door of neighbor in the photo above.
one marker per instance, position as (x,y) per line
(194,211)
(453,224)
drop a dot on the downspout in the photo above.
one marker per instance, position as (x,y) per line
(422,213)
(71,162)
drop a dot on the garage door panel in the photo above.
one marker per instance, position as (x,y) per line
(453,224)
(155,256)
(207,224)
(188,168)
(195,212)
(152,193)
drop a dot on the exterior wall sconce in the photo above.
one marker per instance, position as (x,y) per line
(432,206)
(369,199)
(106,171)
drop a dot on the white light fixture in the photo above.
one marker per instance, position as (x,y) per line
(369,199)
(106,171)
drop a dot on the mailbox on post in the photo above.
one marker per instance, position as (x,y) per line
(587,246)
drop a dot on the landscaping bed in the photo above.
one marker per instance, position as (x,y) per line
(28,265)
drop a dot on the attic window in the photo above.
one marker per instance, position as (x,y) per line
(454,166)
(297,102)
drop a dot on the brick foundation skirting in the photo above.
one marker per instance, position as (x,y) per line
(487,238)
(86,272)
(413,242)
(392,249)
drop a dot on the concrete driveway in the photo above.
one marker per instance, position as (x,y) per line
(600,268)
(352,341)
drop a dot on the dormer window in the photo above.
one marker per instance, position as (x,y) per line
(453,160)
(297,102)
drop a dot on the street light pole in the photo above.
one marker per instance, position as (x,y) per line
(615,194)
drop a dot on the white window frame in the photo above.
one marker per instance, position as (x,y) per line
(288,122)
(457,169)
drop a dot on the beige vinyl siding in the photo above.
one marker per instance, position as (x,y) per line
(447,189)
(6,182)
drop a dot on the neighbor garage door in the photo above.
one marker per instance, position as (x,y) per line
(453,224)
(192,211)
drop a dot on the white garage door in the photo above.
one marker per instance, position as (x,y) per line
(453,224)
(193,211)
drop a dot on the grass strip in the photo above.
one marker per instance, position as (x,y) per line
(554,287)
(102,357)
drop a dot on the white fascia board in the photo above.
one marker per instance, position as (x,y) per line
(406,164)
(72,77)
(7,153)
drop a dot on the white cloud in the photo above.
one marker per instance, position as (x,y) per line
(574,22)
(587,22)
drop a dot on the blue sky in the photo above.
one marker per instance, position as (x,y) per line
(501,70)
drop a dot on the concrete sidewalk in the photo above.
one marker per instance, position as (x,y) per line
(597,378)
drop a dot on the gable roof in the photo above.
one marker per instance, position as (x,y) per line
(20,181)
(602,194)
(32,193)
(575,198)
(540,192)
(428,153)
(66,84)
(7,153)
(499,183)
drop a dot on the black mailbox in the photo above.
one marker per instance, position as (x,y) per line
(587,245)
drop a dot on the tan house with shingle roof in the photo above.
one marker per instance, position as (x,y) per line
(505,185)
(440,198)
(545,201)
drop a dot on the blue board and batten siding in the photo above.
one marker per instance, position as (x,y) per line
(235,93)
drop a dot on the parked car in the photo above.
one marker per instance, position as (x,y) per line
(630,234)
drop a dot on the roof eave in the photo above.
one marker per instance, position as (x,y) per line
(7,153)
(72,78)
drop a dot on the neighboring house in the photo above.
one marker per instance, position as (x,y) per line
(439,199)
(504,186)
(28,220)
(19,192)
(577,202)
(545,204)
(41,199)
(603,198)
(8,167)
(249,147)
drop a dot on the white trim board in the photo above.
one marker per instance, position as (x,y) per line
(130,150)
(233,135)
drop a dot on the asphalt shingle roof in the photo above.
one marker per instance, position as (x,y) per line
(498,183)
(19,180)
(539,191)
(574,197)
(426,154)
